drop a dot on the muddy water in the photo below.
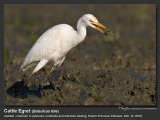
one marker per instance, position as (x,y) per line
(99,71)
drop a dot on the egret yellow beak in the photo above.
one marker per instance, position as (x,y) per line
(98,25)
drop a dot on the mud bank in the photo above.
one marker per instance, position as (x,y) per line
(99,71)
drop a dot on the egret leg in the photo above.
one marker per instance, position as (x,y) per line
(25,83)
(40,65)
(57,64)
(42,91)
(49,78)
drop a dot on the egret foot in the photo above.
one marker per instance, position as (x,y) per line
(24,84)
(23,87)
(21,94)
(52,85)
(42,91)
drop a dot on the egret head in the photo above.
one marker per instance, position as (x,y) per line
(92,21)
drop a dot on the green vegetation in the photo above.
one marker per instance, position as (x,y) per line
(135,39)
(94,87)
(7,59)
(32,38)
(110,38)
(27,22)
(10,22)
(143,15)
(77,79)
(87,89)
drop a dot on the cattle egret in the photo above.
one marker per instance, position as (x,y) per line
(56,42)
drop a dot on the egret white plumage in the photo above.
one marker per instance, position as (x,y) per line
(56,42)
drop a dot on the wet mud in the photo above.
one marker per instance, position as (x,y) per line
(101,70)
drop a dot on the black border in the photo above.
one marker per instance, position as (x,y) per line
(82,1)
(148,114)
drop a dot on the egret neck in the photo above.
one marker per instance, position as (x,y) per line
(81,30)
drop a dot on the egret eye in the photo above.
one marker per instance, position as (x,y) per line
(90,20)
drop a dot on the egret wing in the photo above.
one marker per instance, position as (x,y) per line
(44,47)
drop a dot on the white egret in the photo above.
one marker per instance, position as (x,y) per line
(56,42)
